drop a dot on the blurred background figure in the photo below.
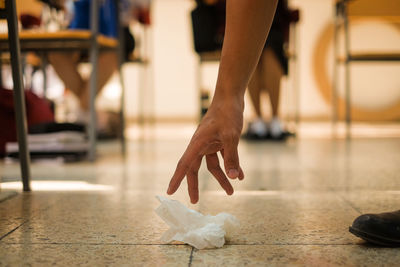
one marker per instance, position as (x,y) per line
(66,63)
(272,66)
(208,21)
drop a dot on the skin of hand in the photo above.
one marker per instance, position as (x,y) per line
(219,131)
(247,26)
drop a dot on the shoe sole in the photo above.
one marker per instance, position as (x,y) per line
(378,240)
(268,137)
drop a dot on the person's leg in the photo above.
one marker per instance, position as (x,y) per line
(257,128)
(108,63)
(254,89)
(65,65)
(272,73)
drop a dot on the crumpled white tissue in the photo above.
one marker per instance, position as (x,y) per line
(192,227)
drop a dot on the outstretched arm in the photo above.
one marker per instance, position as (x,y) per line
(247,26)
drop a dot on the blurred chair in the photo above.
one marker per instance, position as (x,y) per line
(42,42)
(8,12)
(346,12)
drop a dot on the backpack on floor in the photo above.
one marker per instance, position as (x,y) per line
(38,110)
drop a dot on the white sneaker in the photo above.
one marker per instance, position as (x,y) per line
(258,127)
(275,128)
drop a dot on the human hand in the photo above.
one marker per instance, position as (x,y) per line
(219,131)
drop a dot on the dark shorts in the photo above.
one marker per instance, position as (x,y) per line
(275,41)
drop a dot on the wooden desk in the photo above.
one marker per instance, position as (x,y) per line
(68,40)
(35,41)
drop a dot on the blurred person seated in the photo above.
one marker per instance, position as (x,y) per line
(273,64)
(66,63)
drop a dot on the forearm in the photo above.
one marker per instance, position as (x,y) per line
(247,26)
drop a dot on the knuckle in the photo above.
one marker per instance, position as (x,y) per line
(192,172)
(230,137)
(231,159)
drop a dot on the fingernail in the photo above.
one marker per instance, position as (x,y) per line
(233,173)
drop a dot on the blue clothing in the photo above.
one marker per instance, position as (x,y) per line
(107,17)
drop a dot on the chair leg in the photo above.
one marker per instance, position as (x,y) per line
(44,72)
(1,70)
(199,81)
(122,112)
(335,69)
(347,74)
(94,56)
(295,80)
(121,59)
(19,100)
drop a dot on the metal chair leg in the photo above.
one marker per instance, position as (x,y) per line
(347,73)
(1,70)
(121,59)
(94,56)
(199,81)
(122,112)
(335,68)
(44,72)
(19,98)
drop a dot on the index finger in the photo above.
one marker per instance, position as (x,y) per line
(179,174)
(190,155)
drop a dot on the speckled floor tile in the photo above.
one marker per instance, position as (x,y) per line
(331,255)
(18,209)
(295,206)
(276,217)
(93,255)
(373,201)
(275,179)
(94,218)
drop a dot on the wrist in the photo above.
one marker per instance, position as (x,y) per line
(231,97)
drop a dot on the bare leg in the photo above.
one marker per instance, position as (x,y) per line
(108,63)
(65,64)
(272,73)
(257,128)
(255,89)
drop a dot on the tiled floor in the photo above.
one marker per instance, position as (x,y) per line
(295,206)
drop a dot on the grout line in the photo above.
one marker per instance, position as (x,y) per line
(178,245)
(27,220)
(341,197)
(191,257)
(7,234)
(349,203)
(92,244)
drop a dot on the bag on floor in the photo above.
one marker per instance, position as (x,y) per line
(38,110)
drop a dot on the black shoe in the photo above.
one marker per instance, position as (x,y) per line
(382,229)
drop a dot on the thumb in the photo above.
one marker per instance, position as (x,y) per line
(231,160)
